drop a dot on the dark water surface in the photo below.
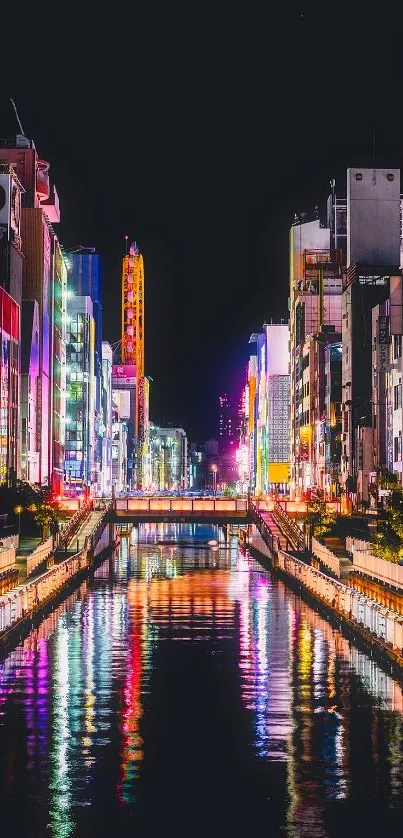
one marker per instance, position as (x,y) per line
(185,691)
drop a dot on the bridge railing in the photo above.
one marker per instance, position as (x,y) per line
(181,505)
(289,527)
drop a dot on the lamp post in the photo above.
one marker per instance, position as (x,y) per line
(18,509)
(214,470)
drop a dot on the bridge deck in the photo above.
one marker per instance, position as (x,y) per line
(188,510)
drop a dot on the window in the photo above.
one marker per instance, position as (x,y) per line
(397,396)
(397,347)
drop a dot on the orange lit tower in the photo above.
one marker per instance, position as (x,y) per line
(133,342)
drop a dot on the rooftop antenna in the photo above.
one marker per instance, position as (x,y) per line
(17,117)
(126,239)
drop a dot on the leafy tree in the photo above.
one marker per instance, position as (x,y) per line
(321,517)
(389,540)
(388,480)
(47,514)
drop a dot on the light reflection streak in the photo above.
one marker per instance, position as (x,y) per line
(61,822)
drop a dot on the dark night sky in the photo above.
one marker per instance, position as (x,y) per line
(199,130)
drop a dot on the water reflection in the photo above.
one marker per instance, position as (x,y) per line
(190,670)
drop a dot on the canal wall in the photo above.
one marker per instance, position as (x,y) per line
(379,628)
(22,604)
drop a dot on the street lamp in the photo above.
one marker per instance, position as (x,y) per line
(214,470)
(18,509)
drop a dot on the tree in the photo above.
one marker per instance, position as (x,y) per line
(47,514)
(388,542)
(321,517)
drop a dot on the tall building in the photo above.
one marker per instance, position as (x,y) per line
(11,261)
(373,277)
(316,268)
(119,442)
(125,394)
(169,469)
(263,455)
(40,210)
(132,342)
(80,408)
(278,406)
(106,430)
(85,280)
(9,387)
(29,391)
(226,429)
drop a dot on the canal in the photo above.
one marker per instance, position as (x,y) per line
(184,690)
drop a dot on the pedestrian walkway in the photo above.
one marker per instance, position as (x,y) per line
(27,546)
(338,547)
(275,531)
(77,542)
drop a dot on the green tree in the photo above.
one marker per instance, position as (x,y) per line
(388,542)
(47,514)
(321,517)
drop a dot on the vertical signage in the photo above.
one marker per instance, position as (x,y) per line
(383,343)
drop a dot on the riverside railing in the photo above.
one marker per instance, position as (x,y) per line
(326,556)
(289,527)
(24,600)
(66,535)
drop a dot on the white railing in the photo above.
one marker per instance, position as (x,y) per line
(326,556)
(26,599)
(38,555)
(9,541)
(7,558)
(388,572)
(358,544)
(386,625)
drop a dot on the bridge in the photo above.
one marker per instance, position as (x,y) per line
(185,510)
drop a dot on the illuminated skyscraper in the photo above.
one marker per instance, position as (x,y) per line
(85,280)
(79,444)
(43,280)
(132,343)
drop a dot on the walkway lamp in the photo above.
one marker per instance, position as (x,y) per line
(18,510)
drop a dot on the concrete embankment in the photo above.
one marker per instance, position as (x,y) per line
(24,605)
(344,607)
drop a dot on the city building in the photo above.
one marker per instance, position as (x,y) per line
(106,428)
(85,280)
(316,270)
(372,282)
(169,469)
(132,351)
(42,277)
(29,392)
(277,412)
(125,394)
(80,407)
(119,442)
(9,388)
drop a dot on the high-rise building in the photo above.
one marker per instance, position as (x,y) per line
(316,267)
(106,430)
(85,280)
(119,442)
(42,273)
(80,408)
(132,342)
(168,458)
(29,391)
(125,394)
(278,406)
(11,260)
(9,387)
(372,279)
